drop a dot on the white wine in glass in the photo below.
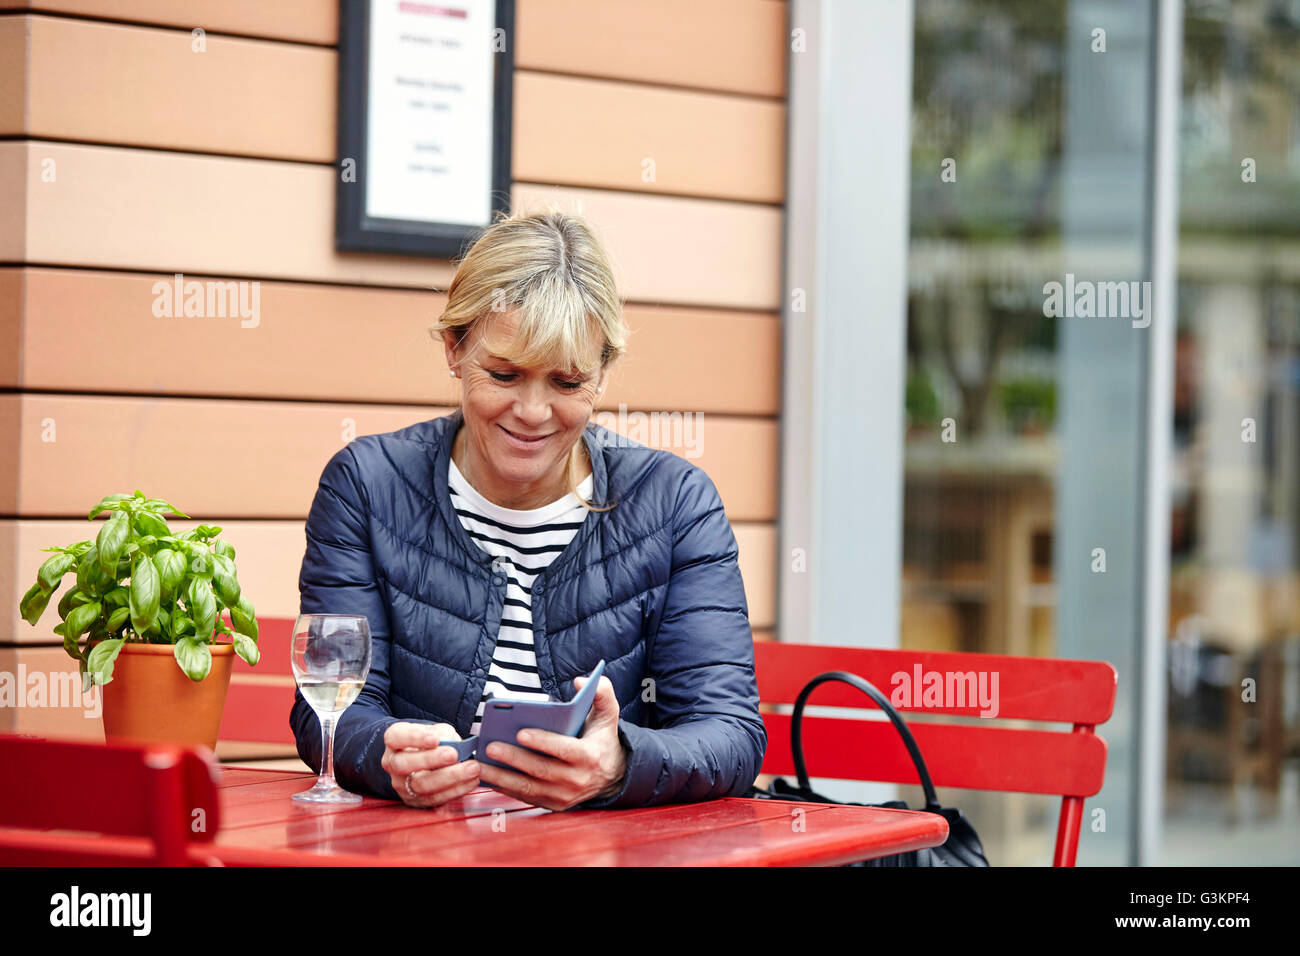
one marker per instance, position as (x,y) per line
(330,654)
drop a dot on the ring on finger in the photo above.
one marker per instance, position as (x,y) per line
(409,777)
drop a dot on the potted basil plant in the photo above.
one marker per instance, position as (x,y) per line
(148,602)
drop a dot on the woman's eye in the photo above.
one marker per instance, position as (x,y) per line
(502,376)
(569,385)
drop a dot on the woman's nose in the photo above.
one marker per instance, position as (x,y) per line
(533,404)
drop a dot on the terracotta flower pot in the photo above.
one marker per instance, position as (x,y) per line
(151,700)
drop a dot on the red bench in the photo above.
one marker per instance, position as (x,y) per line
(128,805)
(1071,763)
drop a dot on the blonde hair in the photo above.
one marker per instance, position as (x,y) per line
(552,270)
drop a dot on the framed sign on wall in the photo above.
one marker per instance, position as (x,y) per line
(424,123)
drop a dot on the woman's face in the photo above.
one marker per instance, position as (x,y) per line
(521,424)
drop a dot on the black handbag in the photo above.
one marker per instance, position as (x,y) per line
(962,848)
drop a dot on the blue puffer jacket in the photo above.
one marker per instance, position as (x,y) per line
(652,586)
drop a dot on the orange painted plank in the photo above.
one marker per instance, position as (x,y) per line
(306,21)
(129,209)
(734,45)
(278,100)
(110,207)
(733,364)
(648,139)
(738,46)
(148,87)
(723,253)
(200,453)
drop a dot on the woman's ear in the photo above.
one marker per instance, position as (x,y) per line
(449,347)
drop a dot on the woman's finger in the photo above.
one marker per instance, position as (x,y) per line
(406,734)
(535,765)
(540,793)
(403,762)
(568,749)
(439,786)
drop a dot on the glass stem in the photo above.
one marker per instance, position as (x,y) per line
(327,749)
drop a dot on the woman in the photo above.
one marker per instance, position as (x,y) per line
(506,548)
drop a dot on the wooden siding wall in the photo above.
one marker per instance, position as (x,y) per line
(127,157)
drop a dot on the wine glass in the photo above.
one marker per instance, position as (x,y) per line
(330,654)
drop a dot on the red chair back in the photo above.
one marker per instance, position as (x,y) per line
(73,803)
(1070,763)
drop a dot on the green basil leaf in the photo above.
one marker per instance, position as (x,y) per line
(243,618)
(101,658)
(146,522)
(70,647)
(69,601)
(179,625)
(200,560)
(118,618)
(52,571)
(118,597)
(80,619)
(225,549)
(194,657)
(108,503)
(171,570)
(145,595)
(223,579)
(86,569)
(202,605)
(32,606)
(157,505)
(207,531)
(246,648)
(111,541)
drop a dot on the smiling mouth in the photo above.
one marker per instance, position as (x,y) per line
(534,439)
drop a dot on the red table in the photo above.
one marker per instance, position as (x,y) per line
(261,825)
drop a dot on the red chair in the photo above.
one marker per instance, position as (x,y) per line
(128,805)
(1069,763)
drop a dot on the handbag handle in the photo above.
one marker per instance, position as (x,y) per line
(796,730)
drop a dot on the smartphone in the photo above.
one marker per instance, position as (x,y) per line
(504,718)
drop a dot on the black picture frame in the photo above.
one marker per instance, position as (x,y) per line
(354,231)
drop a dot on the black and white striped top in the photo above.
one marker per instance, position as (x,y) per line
(529,541)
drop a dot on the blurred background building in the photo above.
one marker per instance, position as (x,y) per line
(1056,157)
(840,263)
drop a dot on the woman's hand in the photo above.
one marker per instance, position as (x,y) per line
(573,769)
(412,754)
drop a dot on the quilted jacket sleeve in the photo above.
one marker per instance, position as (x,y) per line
(710,740)
(338,576)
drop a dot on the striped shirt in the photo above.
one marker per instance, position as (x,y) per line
(528,541)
